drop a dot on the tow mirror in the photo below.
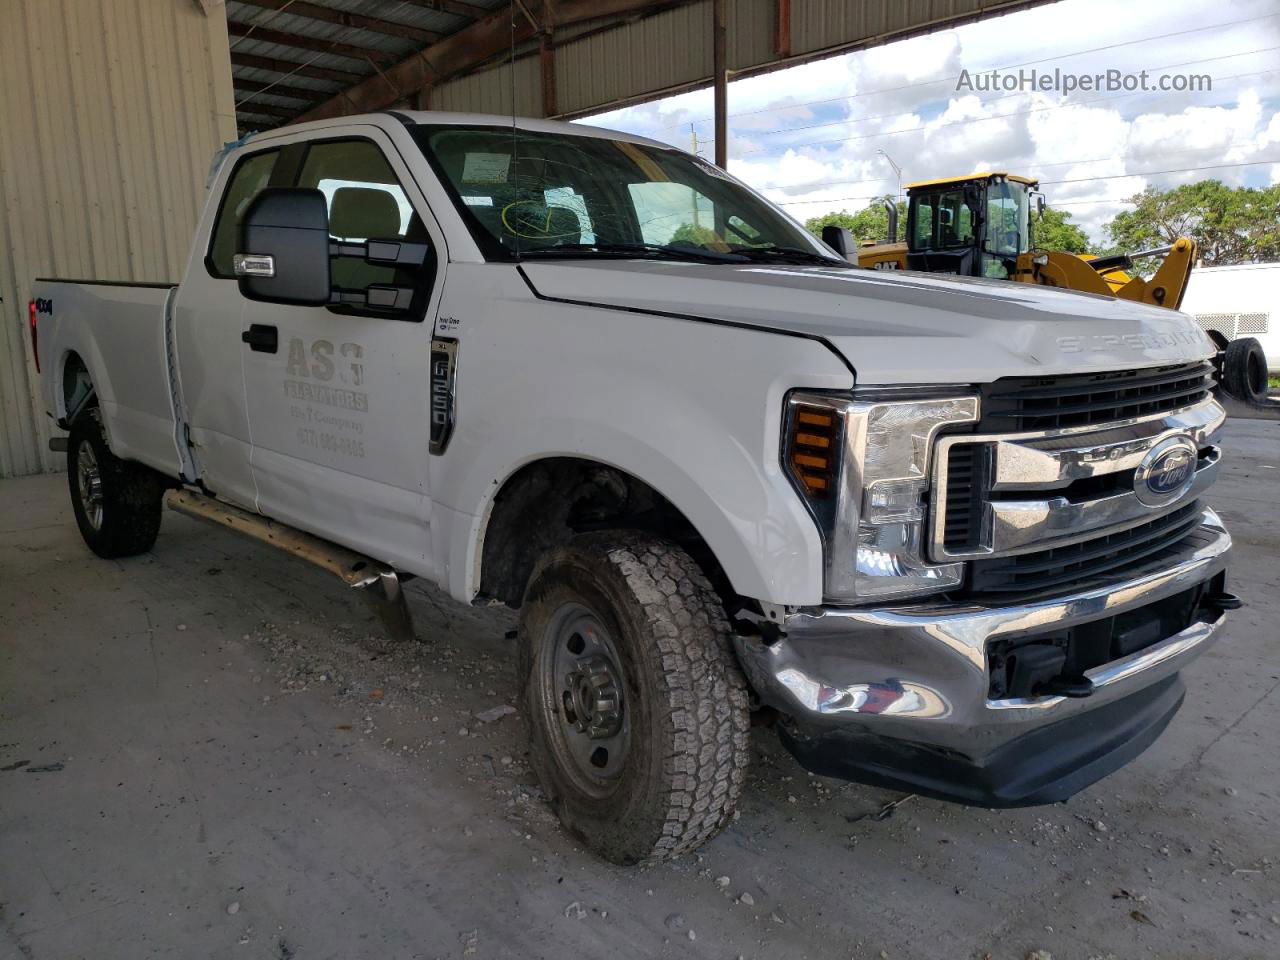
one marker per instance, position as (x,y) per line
(284,239)
(838,239)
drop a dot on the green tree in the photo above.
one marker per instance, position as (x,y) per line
(1228,224)
(870,223)
(1053,230)
(694,234)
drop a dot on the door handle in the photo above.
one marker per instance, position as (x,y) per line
(262,338)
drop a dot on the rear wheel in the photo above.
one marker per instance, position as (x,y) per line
(1244,370)
(116,502)
(637,711)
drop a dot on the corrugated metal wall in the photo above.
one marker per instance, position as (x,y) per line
(110,114)
(671,50)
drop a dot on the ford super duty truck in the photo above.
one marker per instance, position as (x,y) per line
(950,533)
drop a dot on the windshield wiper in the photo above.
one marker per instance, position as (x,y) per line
(628,250)
(793,254)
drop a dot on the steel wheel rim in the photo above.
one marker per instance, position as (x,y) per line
(89,484)
(582,692)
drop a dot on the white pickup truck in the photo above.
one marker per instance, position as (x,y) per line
(948,532)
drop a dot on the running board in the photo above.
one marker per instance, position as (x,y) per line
(379,583)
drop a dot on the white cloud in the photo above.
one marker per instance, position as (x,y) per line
(810,136)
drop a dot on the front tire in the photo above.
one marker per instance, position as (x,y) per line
(117,503)
(637,711)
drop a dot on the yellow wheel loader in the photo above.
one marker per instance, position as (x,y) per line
(980,226)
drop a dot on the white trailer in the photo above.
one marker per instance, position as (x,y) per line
(1238,301)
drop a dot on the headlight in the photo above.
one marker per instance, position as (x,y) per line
(862,466)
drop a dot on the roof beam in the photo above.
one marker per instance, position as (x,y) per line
(290,67)
(266,109)
(467,48)
(313,11)
(279,89)
(257,125)
(469,10)
(249,31)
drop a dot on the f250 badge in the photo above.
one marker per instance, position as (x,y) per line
(444,370)
(43,305)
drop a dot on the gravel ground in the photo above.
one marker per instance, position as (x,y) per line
(210,751)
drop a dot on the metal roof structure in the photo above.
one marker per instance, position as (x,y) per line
(310,59)
(289,56)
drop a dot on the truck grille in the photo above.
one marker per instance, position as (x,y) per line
(966,488)
(1051,403)
(1035,508)
(1046,570)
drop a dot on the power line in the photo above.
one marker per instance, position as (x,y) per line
(1012,96)
(1058,163)
(1010,66)
(1009,166)
(1122,176)
(971,120)
(1156,173)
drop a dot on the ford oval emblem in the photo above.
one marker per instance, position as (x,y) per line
(1166,472)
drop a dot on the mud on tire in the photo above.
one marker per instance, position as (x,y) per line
(682,695)
(117,503)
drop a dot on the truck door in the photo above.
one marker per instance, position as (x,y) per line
(338,396)
(208,315)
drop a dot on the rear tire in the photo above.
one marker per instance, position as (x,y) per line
(637,711)
(1244,370)
(117,502)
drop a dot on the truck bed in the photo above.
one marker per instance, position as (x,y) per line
(118,331)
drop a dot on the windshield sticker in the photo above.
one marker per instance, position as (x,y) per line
(486,168)
(478,201)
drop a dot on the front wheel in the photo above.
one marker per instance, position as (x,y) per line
(637,710)
(117,502)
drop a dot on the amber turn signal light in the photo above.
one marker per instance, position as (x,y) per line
(811,448)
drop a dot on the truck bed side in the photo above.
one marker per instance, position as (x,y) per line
(117,331)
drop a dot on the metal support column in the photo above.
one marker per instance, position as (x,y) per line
(720,79)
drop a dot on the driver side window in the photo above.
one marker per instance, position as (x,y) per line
(366,201)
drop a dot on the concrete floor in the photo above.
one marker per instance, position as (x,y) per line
(200,756)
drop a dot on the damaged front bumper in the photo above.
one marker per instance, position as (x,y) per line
(902,698)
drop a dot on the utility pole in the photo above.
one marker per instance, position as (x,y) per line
(695,143)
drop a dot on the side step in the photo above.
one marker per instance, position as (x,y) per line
(379,584)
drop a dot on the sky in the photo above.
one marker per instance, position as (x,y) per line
(810,137)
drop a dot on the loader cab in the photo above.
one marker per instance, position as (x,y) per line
(974,226)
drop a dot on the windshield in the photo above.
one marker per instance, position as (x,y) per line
(541,195)
(940,220)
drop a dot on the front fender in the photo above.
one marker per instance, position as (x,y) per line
(692,409)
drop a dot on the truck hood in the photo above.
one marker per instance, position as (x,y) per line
(896,326)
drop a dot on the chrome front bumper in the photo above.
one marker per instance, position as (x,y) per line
(919,674)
